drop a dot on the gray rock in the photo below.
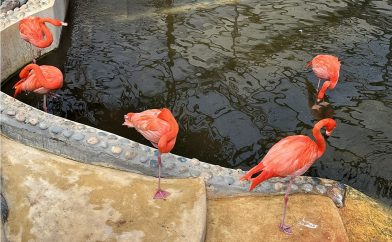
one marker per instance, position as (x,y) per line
(8,5)
(21,2)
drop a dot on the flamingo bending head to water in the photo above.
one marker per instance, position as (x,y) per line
(160,128)
(327,68)
(34,30)
(291,157)
(39,79)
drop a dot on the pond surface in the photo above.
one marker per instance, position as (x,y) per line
(233,74)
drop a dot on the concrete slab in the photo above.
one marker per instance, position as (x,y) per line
(312,217)
(365,219)
(51,198)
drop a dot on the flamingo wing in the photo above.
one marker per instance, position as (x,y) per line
(326,67)
(291,156)
(31,31)
(148,124)
(53,77)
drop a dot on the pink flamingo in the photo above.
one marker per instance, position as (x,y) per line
(33,30)
(291,157)
(161,129)
(325,67)
(39,79)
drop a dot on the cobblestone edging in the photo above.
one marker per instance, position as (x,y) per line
(80,142)
(31,6)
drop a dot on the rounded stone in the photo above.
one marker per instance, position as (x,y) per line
(67,133)
(112,138)
(229,180)
(307,187)
(102,134)
(103,144)
(33,121)
(92,140)
(206,175)
(43,126)
(205,165)
(321,189)
(130,155)
(153,163)
(11,112)
(9,12)
(21,117)
(169,166)
(116,149)
(265,185)
(195,162)
(182,159)
(143,160)
(23,7)
(16,10)
(195,173)
(294,187)
(56,129)
(183,169)
(78,136)
(278,186)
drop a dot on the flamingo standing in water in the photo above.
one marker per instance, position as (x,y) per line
(291,157)
(161,129)
(33,30)
(325,67)
(39,79)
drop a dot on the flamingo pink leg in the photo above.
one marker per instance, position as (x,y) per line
(160,194)
(45,107)
(285,228)
(318,85)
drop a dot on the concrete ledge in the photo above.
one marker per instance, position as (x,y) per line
(15,52)
(76,141)
(51,198)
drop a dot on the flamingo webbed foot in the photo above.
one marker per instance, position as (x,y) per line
(161,194)
(285,228)
(316,107)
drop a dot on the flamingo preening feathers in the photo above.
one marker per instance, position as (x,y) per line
(160,128)
(291,157)
(33,30)
(39,79)
(327,68)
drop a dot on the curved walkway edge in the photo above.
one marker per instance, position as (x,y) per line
(79,142)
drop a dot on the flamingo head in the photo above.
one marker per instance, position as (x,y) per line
(330,126)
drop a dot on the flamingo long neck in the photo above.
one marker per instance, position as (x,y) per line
(167,141)
(37,70)
(48,35)
(323,89)
(320,141)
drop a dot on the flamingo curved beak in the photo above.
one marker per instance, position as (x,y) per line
(64,24)
(328,133)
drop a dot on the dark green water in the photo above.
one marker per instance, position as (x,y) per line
(233,74)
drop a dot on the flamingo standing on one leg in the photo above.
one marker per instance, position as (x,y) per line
(161,129)
(325,67)
(33,30)
(291,157)
(39,79)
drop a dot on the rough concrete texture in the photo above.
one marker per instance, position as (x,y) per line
(365,219)
(312,217)
(51,198)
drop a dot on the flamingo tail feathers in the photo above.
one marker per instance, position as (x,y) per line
(265,175)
